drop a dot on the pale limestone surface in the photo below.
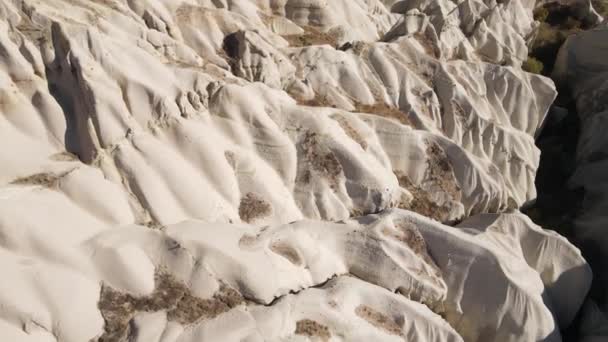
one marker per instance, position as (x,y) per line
(264,146)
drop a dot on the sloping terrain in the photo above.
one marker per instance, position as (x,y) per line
(582,66)
(275,170)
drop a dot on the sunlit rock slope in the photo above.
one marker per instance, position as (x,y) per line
(275,170)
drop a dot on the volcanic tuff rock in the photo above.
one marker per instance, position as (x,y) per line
(582,68)
(249,170)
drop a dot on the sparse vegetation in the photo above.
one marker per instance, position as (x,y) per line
(171,295)
(64,156)
(317,101)
(322,160)
(439,177)
(44,179)
(252,207)
(422,202)
(541,14)
(379,320)
(557,22)
(312,329)
(408,233)
(382,109)
(311,36)
(426,43)
(379,108)
(351,131)
(533,65)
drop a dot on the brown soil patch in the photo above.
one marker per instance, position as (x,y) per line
(422,202)
(426,43)
(441,171)
(439,177)
(312,329)
(379,108)
(118,308)
(379,320)
(382,109)
(316,101)
(45,179)
(409,234)
(252,207)
(350,131)
(311,36)
(190,309)
(323,162)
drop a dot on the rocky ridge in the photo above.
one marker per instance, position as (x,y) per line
(275,170)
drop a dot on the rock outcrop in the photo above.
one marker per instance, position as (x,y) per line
(275,170)
(582,68)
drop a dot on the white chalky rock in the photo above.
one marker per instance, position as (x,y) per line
(253,150)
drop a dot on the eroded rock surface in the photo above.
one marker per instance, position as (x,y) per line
(261,171)
(582,69)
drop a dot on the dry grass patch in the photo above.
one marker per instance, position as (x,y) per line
(439,176)
(379,320)
(408,233)
(323,162)
(379,108)
(190,309)
(64,156)
(45,179)
(382,109)
(441,171)
(422,202)
(317,101)
(312,329)
(350,131)
(171,295)
(426,43)
(311,36)
(253,207)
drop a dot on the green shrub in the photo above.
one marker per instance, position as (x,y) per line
(541,14)
(601,6)
(572,24)
(533,65)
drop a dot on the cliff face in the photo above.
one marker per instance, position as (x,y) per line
(582,67)
(275,170)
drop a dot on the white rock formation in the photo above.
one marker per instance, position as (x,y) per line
(198,170)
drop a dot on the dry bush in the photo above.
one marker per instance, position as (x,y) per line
(171,295)
(311,36)
(323,161)
(253,207)
(45,179)
(379,320)
(439,176)
(312,329)
(382,109)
